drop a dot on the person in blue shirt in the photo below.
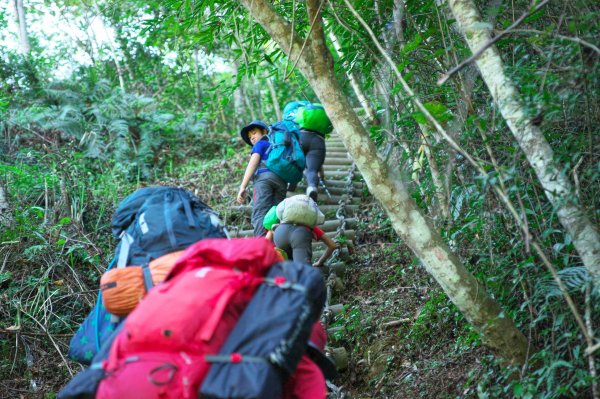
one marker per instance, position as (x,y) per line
(268,188)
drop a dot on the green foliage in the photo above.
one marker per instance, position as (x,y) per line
(437,110)
(71,148)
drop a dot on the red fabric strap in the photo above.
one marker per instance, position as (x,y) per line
(245,280)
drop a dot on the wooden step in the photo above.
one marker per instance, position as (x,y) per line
(324,199)
(334,183)
(336,155)
(340,167)
(344,254)
(334,191)
(335,174)
(330,226)
(350,209)
(337,160)
(235,233)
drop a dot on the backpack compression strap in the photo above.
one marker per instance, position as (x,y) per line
(245,280)
(273,358)
(234,358)
(126,241)
(148,283)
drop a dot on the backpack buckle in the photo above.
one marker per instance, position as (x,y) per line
(172,369)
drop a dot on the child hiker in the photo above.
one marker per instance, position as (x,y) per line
(298,219)
(268,188)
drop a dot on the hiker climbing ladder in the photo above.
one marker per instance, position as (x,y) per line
(338,199)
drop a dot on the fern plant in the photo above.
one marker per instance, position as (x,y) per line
(125,128)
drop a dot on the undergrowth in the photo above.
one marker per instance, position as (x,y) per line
(56,242)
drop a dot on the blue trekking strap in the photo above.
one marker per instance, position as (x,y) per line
(123,258)
(97,310)
(148,282)
(168,218)
(188,209)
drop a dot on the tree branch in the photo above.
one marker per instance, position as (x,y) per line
(487,45)
(276,26)
(319,31)
(575,39)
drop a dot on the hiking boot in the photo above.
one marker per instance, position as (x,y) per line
(311,191)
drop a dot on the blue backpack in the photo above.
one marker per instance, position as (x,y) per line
(285,157)
(291,109)
(150,223)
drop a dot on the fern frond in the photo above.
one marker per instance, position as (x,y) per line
(574,278)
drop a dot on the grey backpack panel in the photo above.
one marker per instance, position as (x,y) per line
(155,221)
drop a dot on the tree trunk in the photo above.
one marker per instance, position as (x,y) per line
(3,201)
(408,221)
(247,101)
(442,209)
(24,46)
(113,51)
(198,85)
(556,184)
(443,205)
(398,20)
(274,100)
(238,98)
(5,215)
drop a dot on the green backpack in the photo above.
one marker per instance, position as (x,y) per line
(307,115)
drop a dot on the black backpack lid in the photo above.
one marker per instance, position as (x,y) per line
(128,208)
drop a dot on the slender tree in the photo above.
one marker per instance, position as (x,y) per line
(557,187)
(316,64)
(274,100)
(358,91)
(24,46)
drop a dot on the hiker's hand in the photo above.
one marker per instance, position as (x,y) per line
(241,197)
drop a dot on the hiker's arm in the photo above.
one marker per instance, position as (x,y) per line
(269,235)
(250,169)
(331,246)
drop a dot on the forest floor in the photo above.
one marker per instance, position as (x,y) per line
(399,332)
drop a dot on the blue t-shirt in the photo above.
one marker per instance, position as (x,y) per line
(261,148)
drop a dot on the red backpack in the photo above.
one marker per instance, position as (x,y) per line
(160,351)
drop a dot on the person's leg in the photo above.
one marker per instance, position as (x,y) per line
(313,146)
(269,190)
(301,242)
(262,199)
(281,239)
(279,187)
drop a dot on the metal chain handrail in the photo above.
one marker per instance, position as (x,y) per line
(335,391)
